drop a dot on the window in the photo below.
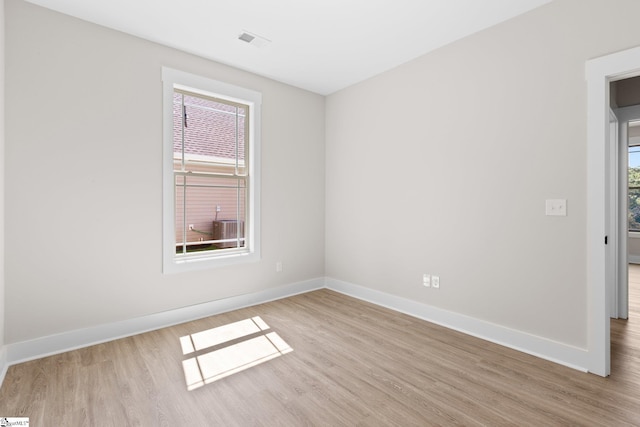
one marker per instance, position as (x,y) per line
(210,173)
(634,188)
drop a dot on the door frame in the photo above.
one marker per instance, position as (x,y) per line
(599,73)
(614,197)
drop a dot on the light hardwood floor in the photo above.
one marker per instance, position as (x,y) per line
(352,363)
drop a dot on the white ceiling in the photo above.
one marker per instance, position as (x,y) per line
(318,45)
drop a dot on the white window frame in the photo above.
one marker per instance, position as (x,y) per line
(172,79)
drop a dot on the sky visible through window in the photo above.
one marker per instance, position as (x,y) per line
(634,150)
(634,156)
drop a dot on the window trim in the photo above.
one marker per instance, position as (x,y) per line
(175,79)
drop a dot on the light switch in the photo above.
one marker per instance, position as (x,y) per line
(556,207)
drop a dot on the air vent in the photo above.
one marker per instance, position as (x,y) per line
(253,39)
(246,37)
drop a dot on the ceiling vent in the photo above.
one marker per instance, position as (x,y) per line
(253,39)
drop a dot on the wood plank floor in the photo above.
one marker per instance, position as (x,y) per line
(352,363)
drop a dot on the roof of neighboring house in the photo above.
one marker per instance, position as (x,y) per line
(210,127)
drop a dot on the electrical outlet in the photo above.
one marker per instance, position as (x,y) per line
(556,207)
(426,280)
(190,226)
(435,282)
(218,208)
(278,266)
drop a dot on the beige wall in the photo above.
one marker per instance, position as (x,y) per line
(84,178)
(447,183)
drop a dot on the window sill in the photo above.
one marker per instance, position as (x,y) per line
(203,263)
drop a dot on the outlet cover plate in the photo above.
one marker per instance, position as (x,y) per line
(556,207)
(435,282)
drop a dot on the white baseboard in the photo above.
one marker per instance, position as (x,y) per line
(53,344)
(4,365)
(71,340)
(563,354)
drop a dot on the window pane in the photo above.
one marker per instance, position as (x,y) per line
(208,137)
(634,188)
(209,213)
(634,209)
(213,131)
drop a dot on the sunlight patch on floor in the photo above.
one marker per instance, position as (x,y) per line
(258,347)
(222,334)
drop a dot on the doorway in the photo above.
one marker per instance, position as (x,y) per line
(602,218)
(624,191)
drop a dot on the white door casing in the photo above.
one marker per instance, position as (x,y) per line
(599,73)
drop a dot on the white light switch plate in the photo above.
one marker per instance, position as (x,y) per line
(556,207)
